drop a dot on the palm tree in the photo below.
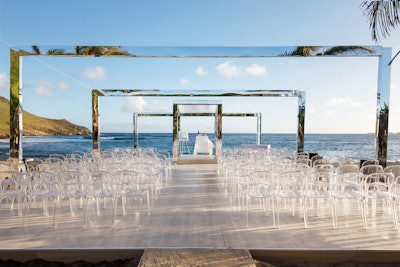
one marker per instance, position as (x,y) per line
(383,16)
(101,51)
(56,51)
(36,50)
(307,51)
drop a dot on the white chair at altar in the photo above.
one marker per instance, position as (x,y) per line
(183,142)
(203,145)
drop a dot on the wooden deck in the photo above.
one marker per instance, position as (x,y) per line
(195,210)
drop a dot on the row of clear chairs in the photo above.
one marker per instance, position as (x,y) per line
(74,193)
(282,183)
(86,186)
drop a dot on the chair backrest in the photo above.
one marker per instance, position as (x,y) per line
(347,168)
(320,161)
(379,181)
(183,136)
(395,169)
(369,169)
(351,161)
(304,161)
(302,155)
(370,162)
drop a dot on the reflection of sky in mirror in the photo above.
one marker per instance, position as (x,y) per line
(209,51)
(183,109)
(333,85)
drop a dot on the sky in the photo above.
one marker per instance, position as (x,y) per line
(340,92)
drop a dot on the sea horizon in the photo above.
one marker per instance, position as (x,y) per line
(357,146)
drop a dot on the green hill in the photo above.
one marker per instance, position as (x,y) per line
(37,126)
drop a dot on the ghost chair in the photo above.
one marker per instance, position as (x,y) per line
(289,195)
(71,187)
(261,186)
(183,142)
(317,187)
(378,187)
(370,169)
(346,193)
(395,169)
(100,199)
(130,192)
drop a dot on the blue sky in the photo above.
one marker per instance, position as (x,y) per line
(340,91)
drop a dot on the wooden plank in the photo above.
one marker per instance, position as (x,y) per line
(196,257)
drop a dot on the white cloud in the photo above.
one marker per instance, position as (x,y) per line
(63,86)
(200,71)
(138,104)
(44,88)
(310,109)
(346,101)
(184,81)
(256,70)
(3,81)
(134,104)
(97,73)
(228,69)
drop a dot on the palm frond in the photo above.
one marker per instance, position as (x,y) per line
(383,17)
(56,51)
(303,51)
(341,50)
(36,50)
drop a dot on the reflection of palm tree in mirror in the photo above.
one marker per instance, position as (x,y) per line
(101,50)
(300,130)
(308,51)
(56,51)
(383,126)
(85,51)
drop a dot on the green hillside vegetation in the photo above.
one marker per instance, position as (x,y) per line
(37,126)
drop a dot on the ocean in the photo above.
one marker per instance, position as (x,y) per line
(357,146)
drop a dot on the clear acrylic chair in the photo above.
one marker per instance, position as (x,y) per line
(346,192)
(183,142)
(100,196)
(395,169)
(370,169)
(290,195)
(131,193)
(71,187)
(378,187)
(262,186)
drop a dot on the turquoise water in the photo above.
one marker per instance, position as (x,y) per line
(358,146)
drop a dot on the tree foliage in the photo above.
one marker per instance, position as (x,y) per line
(383,16)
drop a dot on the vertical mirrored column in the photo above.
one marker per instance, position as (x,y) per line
(382,106)
(259,118)
(175,132)
(300,120)
(135,131)
(15,105)
(218,133)
(95,120)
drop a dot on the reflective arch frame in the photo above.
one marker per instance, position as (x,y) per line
(175,150)
(301,96)
(383,88)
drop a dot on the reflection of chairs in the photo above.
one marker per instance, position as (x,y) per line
(183,143)
(203,145)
